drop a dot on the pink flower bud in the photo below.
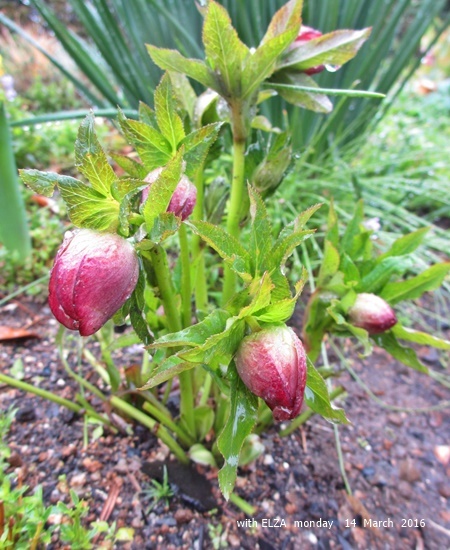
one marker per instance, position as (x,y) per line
(305,35)
(183,199)
(372,313)
(272,364)
(92,277)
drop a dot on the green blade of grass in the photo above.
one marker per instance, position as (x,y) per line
(13,222)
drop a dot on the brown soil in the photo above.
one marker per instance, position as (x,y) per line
(396,463)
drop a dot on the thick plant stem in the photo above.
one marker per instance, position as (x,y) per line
(185,277)
(41,393)
(154,426)
(166,290)
(198,257)
(234,211)
(164,281)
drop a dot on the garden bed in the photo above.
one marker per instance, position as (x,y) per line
(396,463)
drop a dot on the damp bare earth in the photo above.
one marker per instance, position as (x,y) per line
(397,463)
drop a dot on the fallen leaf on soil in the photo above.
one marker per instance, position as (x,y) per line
(8,333)
(359,508)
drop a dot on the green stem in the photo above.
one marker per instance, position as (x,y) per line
(83,383)
(341,460)
(101,371)
(234,211)
(93,413)
(169,423)
(243,505)
(154,426)
(185,277)
(206,388)
(167,293)
(166,290)
(41,393)
(201,295)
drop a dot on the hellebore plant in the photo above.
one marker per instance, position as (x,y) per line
(226,343)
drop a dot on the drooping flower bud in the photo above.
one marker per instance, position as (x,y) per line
(92,277)
(183,199)
(305,35)
(372,313)
(272,364)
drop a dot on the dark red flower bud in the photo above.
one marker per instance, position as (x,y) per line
(305,35)
(92,277)
(272,364)
(183,199)
(372,313)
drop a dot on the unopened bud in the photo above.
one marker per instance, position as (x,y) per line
(272,364)
(92,277)
(305,35)
(183,199)
(372,313)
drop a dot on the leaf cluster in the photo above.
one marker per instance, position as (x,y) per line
(350,266)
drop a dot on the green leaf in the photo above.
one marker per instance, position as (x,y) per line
(169,121)
(299,223)
(378,277)
(407,356)
(352,230)
(260,290)
(196,146)
(133,168)
(282,250)
(330,263)
(418,337)
(166,224)
(172,60)
(290,86)
(281,311)
(153,147)
(349,269)
(278,84)
(194,335)
(228,247)
(334,48)
(288,17)
(335,312)
(136,309)
(261,232)
(169,368)
(225,53)
(332,233)
(161,190)
(270,172)
(218,348)
(147,115)
(204,420)
(14,232)
(413,288)
(406,244)
(261,64)
(90,158)
(88,208)
(184,93)
(123,187)
(318,399)
(44,183)
(240,422)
